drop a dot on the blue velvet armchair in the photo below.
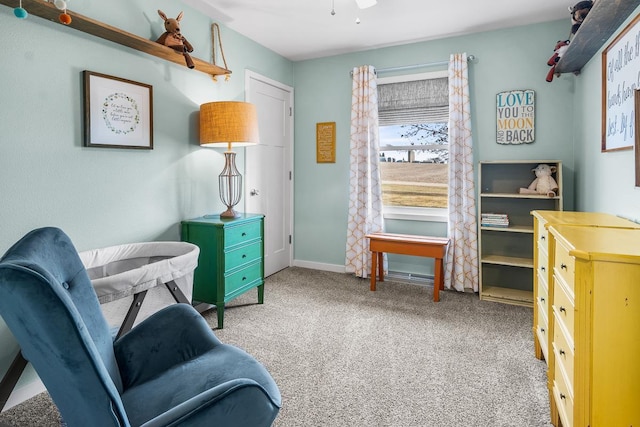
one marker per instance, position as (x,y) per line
(170,370)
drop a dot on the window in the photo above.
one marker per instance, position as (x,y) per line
(414,145)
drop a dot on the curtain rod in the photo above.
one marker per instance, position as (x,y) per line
(411,67)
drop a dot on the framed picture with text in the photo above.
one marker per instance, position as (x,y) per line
(620,70)
(118,113)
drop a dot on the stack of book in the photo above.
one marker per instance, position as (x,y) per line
(494,220)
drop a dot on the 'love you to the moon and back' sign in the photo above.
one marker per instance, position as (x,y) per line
(515,117)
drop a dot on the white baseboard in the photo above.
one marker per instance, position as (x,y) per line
(319,266)
(26,392)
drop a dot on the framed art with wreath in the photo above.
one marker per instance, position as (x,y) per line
(118,113)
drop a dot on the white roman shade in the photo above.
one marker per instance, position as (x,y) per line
(411,102)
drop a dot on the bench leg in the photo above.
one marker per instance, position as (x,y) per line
(374,260)
(381,266)
(438,280)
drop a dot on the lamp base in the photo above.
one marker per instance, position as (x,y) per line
(229,213)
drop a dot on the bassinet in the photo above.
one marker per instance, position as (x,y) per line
(160,273)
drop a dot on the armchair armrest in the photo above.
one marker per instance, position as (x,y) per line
(227,404)
(171,336)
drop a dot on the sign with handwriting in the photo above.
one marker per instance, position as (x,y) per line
(515,117)
(621,77)
(326,142)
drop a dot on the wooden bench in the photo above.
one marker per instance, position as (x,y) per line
(406,244)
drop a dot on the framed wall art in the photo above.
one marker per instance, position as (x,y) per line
(118,113)
(636,99)
(620,71)
(326,142)
(516,117)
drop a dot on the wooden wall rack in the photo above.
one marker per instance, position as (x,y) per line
(602,21)
(90,26)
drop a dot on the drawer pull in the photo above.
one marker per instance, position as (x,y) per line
(543,237)
(543,269)
(561,352)
(542,330)
(563,266)
(541,299)
(244,255)
(244,234)
(562,396)
(244,278)
(562,309)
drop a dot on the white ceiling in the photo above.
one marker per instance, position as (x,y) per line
(305,29)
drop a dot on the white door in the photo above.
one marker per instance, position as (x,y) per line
(269,168)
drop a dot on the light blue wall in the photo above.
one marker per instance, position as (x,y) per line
(506,60)
(605,182)
(102,197)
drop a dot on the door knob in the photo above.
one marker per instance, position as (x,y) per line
(254,192)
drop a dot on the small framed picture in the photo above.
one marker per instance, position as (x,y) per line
(118,113)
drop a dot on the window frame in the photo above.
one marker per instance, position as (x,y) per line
(414,213)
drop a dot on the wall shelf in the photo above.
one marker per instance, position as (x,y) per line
(602,21)
(87,25)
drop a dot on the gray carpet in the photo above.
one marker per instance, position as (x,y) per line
(345,356)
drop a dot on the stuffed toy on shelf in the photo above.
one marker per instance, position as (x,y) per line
(174,39)
(559,50)
(544,184)
(578,13)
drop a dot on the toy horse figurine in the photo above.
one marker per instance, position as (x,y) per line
(174,39)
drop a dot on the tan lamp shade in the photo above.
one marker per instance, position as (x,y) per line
(228,122)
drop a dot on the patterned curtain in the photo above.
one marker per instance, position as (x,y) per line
(365,191)
(461,268)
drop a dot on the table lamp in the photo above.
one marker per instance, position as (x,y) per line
(230,123)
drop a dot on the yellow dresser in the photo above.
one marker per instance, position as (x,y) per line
(544,248)
(595,322)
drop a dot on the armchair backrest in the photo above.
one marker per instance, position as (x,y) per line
(50,306)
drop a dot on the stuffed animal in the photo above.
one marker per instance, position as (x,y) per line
(544,183)
(559,50)
(174,39)
(578,13)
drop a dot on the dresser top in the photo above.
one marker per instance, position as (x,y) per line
(215,219)
(599,243)
(591,219)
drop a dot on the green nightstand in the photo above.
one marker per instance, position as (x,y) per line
(231,258)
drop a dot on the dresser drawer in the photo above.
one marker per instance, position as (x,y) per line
(562,397)
(543,263)
(564,265)
(563,308)
(242,233)
(563,349)
(543,293)
(543,237)
(238,280)
(243,255)
(542,331)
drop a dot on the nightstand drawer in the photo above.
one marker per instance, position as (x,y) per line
(240,279)
(242,233)
(243,255)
